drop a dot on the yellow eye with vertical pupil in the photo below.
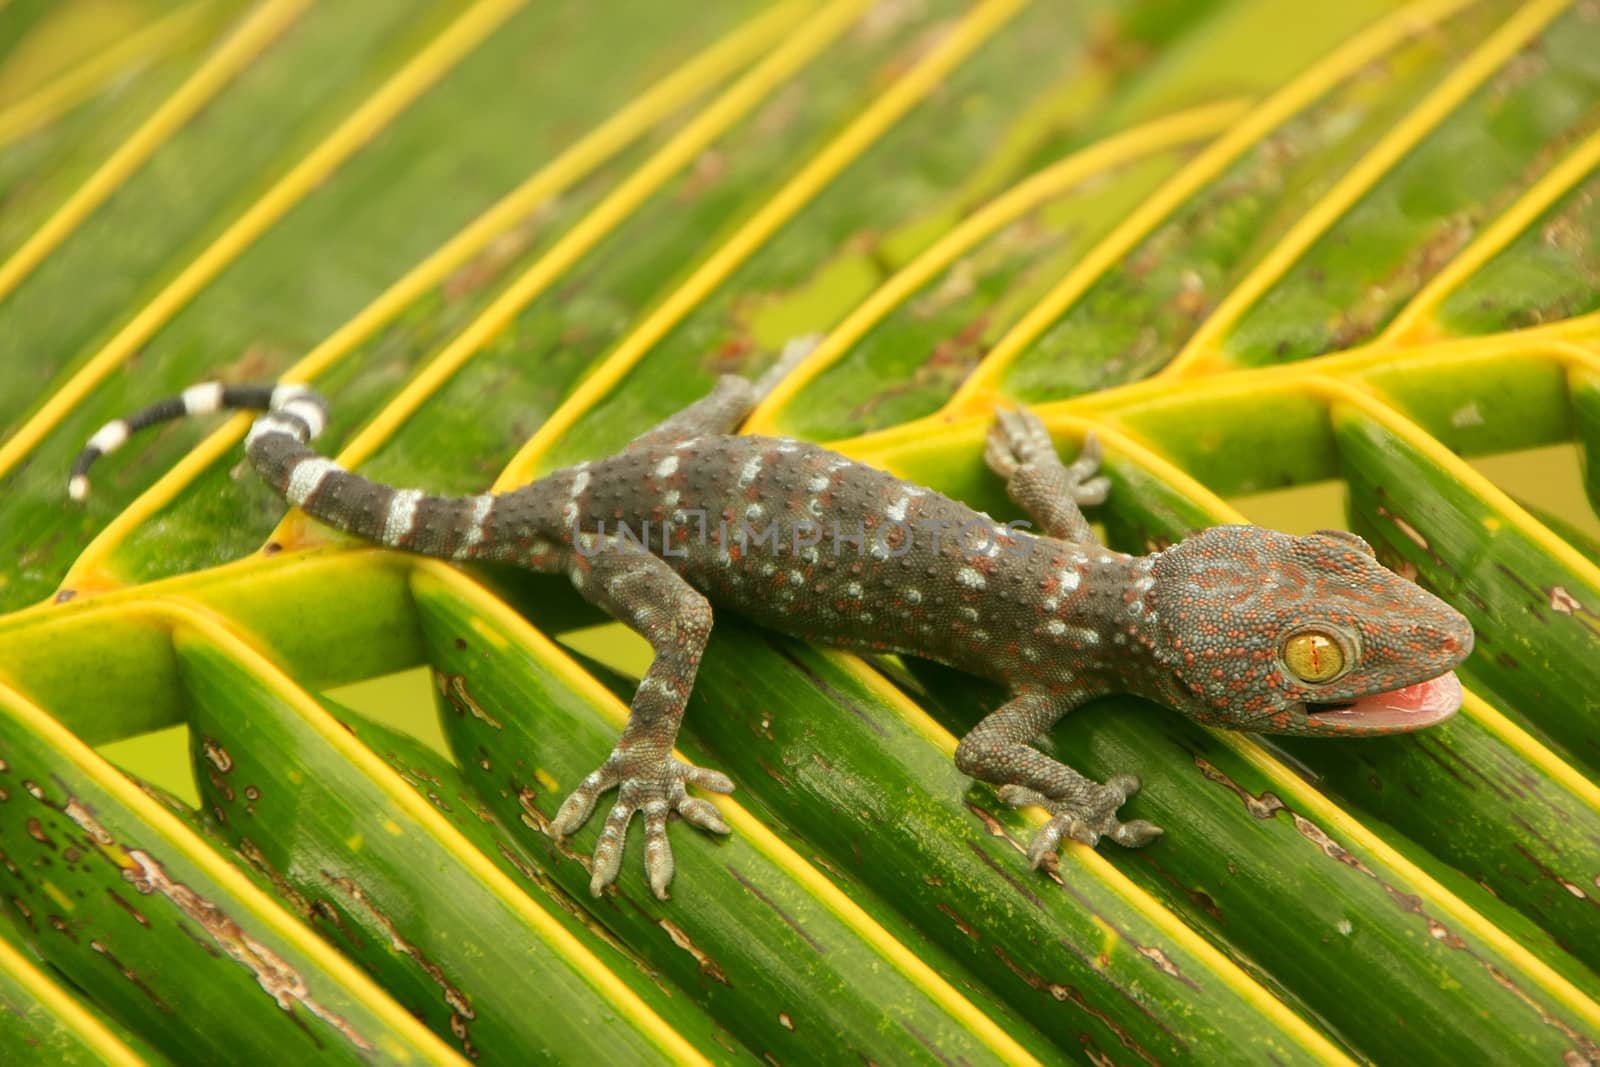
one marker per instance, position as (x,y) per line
(1313,657)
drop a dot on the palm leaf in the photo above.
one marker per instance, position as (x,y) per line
(1250,245)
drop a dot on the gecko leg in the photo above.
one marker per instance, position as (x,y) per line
(647,595)
(1019,449)
(997,751)
(730,400)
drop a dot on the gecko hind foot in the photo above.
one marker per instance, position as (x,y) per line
(1018,445)
(1085,819)
(654,789)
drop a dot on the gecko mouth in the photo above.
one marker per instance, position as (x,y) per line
(1408,708)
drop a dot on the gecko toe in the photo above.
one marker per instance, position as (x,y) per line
(705,778)
(1136,833)
(580,803)
(1092,491)
(655,788)
(703,814)
(1123,785)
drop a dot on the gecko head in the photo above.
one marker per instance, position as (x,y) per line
(1302,635)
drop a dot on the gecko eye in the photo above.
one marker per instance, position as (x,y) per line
(1313,656)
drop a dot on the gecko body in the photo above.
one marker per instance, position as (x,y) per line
(1235,626)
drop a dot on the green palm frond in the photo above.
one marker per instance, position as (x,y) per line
(1250,245)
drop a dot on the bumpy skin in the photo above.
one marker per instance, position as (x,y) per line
(845,554)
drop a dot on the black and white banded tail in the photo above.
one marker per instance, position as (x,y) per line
(277,445)
(288,407)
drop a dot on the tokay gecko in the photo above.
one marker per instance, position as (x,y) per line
(1235,626)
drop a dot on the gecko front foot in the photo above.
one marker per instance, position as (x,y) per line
(1019,449)
(1085,817)
(653,787)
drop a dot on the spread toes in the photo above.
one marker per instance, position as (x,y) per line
(1086,818)
(653,789)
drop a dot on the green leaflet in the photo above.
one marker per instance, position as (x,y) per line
(1358,195)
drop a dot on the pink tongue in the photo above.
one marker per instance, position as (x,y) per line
(1410,708)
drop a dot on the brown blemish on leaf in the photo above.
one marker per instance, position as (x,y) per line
(461,1013)
(563,900)
(1563,601)
(995,829)
(220,784)
(462,701)
(1263,807)
(1161,961)
(680,937)
(116,898)
(36,831)
(280,981)
(65,595)
(788,919)
(216,755)
(775,774)
(1411,533)
(1070,994)
(1545,872)
(128,973)
(1413,904)
(252,854)
(960,923)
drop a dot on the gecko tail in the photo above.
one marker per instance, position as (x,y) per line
(295,403)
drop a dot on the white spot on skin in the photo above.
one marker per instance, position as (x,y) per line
(480,512)
(896,512)
(913,597)
(670,498)
(569,514)
(788,445)
(287,392)
(402,515)
(686,446)
(1055,627)
(754,512)
(202,399)
(971,578)
(970,614)
(748,473)
(797,578)
(1050,604)
(667,467)
(579,484)
(306,476)
(853,589)
(817,484)
(1067,581)
(109,437)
